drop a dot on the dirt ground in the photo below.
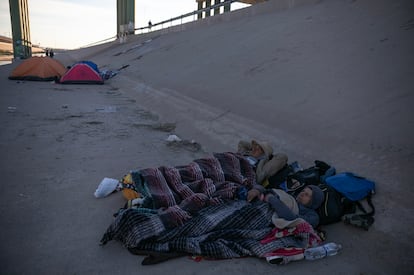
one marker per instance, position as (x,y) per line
(330,81)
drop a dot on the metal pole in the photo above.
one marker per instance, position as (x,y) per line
(216,10)
(200,7)
(227,6)
(208,5)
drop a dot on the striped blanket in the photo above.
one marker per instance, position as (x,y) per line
(198,209)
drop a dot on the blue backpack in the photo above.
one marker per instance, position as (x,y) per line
(355,189)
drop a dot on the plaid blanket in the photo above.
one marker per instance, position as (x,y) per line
(197,209)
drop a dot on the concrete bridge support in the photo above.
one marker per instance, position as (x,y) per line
(19,15)
(125,17)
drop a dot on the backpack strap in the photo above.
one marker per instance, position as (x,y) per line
(361,207)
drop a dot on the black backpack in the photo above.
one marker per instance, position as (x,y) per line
(337,207)
(306,176)
(281,176)
(311,175)
(334,206)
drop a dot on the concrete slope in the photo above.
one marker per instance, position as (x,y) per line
(338,71)
(341,66)
(331,81)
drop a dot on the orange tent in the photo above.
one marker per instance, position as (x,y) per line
(38,68)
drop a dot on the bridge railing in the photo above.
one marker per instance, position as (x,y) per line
(192,15)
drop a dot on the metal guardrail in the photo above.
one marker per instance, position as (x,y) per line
(180,17)
(190,14)
(100,41)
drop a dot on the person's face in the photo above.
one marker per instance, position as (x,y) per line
(257,151)
(305,196)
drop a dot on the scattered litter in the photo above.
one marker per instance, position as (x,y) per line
(408,25)
(137,202)
(106,187)
(123,67)
(11,109)
(173,138)
(107,74)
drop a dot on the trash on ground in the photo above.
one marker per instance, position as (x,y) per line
(106,187)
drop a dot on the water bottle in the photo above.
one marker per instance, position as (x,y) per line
(319,252)
(296,167)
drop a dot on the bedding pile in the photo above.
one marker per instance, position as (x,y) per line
(201,209)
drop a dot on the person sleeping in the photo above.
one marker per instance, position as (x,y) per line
(290,210)
(261,157)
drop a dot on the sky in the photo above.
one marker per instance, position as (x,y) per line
(71,24)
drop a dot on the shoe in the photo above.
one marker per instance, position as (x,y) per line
(359,220)
(285,255)
(281,260)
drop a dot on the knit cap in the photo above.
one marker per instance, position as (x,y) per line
(267,149)
(317,197)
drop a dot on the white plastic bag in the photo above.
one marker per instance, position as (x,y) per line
(172,138)
(106,187)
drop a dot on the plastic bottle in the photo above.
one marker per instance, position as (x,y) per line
(296,167)
(319,252)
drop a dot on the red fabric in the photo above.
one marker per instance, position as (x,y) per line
(289,251)
(301,228)
(81,74)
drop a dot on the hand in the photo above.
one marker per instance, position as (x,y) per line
(252,194)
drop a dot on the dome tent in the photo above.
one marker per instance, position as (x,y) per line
(38,69)
(82,73)
(91,64)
